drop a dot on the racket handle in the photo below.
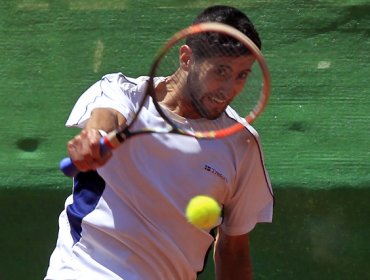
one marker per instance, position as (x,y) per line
(67,166)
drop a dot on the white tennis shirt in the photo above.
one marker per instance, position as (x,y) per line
(127,221)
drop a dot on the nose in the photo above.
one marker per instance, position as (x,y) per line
(229,89)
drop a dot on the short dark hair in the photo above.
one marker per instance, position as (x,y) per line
(227,15)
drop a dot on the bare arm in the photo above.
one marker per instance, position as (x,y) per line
(84,148)
(232,257)
(105,119)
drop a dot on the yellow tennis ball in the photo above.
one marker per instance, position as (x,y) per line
(203,211)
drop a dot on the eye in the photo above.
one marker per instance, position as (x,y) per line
(220,71)
(244,74)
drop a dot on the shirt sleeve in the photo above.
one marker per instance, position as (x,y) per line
(112,91)
(252,200)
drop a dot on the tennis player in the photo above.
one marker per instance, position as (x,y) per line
(125,218)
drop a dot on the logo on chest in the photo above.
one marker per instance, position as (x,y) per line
(215,172)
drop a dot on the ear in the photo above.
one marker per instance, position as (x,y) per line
(185,55)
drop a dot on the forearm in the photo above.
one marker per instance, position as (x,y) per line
(84,149)
(236,268)
(105,119)
(232,259)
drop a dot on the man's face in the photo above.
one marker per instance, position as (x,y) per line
(214,82)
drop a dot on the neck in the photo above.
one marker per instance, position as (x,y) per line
(171,93)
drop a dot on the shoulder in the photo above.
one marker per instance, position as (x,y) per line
(123,81)
(123,88)
(233,116)
(115,91)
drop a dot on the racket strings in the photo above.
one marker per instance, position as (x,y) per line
(208,44)
(210,80)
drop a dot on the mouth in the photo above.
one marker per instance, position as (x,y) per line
(211,105)
(218,100)
(220,97)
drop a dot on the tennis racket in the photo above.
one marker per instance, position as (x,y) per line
(211,69)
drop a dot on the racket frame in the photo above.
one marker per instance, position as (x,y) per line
(125,133)
(113,139)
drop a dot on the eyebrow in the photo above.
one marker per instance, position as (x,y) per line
(229,68)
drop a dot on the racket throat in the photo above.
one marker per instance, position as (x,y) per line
(121,136)
(115,138)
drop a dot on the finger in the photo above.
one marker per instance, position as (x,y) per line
(94,141)
(79,150)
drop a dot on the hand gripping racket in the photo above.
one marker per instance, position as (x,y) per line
(209,68)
